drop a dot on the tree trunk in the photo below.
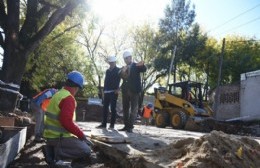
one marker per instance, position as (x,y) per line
(7,106)
(11,73)
(16,51)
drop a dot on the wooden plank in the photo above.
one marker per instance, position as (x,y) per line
(110,139)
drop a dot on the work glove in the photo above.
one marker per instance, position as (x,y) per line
(88,142)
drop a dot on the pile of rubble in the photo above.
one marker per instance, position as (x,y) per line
(214,150)
(20,118)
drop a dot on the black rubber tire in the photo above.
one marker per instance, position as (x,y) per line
(162,119)
(178,120)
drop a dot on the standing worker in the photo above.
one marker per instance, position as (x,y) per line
(39,104)
(111,90)
(65,140)
(131,89)
(147,113)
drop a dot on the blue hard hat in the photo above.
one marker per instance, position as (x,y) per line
(150,105)
(77,78)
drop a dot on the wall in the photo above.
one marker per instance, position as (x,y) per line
(228,103)
(250,95)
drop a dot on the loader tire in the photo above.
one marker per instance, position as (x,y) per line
(178,120)
(162,119)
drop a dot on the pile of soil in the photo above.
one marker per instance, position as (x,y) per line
(214,150)
(21,118)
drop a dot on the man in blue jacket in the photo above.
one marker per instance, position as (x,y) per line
(131,90)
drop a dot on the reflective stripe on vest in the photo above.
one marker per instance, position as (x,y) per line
(52,125)
(39,94)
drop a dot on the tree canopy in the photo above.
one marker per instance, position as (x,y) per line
(21,34)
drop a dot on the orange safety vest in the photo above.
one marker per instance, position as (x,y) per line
(45,104)
(147,112)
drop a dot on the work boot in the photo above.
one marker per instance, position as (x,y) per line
(38,140)
(87,161)
(129,130)
(101,126)
(81,162)
(62,164)
(123,129)
(48,152)
(111,126)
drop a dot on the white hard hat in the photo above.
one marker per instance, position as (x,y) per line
(111,59)
(127,54)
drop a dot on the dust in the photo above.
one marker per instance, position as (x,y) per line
(213,150)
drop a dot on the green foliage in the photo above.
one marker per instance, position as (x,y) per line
(177,28)
(58,54)
(145,50)
(241,56)
(178,18)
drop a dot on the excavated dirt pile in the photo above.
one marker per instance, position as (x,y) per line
(214,150)
(21,118)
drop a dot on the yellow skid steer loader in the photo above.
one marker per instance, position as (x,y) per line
(180,105)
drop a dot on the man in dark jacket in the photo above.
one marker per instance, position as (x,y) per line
(131,89)
(111,90)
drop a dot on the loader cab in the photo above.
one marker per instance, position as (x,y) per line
(189,91)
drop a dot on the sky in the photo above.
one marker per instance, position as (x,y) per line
(218,18)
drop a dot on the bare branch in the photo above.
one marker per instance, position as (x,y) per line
(97,40)
(49,4)
(57,17)
(66,30)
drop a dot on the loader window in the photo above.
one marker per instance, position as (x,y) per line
(162,89)
(177,92)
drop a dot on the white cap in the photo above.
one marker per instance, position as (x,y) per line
(111,59)
(127,54)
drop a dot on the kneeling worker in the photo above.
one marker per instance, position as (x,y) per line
(65,140)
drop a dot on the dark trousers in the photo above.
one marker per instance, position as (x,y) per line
(110,99)
(130,100)
(68,148)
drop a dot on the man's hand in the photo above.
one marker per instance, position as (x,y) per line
(124,72)
(88,142)
(117,91)
(141,63)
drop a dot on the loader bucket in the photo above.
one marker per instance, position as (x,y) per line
(191,125)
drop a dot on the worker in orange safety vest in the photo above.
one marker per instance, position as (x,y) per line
(39,105)
(147,113)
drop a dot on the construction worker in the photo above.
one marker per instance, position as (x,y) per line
(147,113)
(111,90)
(39,104)
(131,89)
(65,140)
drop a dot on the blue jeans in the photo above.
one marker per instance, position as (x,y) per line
(39,120)
(110,99)
(69,148)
